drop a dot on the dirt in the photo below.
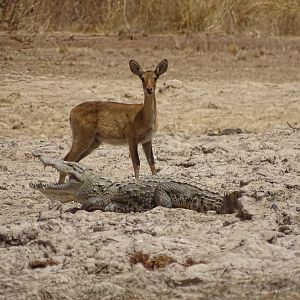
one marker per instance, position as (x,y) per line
(229,116)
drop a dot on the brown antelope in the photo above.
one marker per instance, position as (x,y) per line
(97,122)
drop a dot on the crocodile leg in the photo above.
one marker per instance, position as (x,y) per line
(172,194)
(230,202)
(94,203)
(118,207)
(161,197)
(108,203)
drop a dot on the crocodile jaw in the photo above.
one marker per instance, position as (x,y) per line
(75,170)
(63,193)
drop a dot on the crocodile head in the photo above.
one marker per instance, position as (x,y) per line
(79,175)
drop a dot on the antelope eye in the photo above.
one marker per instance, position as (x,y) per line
(143,79)
(155,78)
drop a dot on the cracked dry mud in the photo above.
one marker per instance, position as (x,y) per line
(224,124)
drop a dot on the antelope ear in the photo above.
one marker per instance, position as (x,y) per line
(161,68)
(135,68)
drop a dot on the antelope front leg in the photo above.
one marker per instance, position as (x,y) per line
(133,148)
(147,147)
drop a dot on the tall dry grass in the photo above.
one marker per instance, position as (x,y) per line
(280,17)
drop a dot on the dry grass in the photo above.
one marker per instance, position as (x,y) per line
(153,263)
(228,16)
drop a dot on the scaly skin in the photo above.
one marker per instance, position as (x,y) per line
(95,192)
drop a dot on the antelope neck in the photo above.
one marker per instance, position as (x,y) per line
(149,110)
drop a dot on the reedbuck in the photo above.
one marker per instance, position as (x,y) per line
(97,122)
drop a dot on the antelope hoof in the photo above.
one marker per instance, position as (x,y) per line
(136,173)
(153,170)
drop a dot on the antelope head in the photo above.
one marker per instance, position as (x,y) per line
(148,78)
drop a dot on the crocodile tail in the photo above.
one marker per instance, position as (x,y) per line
(230,202)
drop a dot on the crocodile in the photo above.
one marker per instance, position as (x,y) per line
(95,192)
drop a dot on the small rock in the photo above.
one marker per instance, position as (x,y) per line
(211,212)
(186,164)
(18,125)
(241,56)
(212,106)
(129,95)
(100,226)
(285,229)
(243,208)
(226,223)
(163,89)
(112,64)
(3,168)
(208,149)
(225,131)
(243,182)
(273,239)
(16,235)
(259,196)
(110,51)
(174,83)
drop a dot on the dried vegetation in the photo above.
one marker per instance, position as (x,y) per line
(160,261)
(228,16)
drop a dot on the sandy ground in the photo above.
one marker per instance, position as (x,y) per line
(250,85)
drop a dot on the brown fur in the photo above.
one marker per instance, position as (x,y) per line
(97,122)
